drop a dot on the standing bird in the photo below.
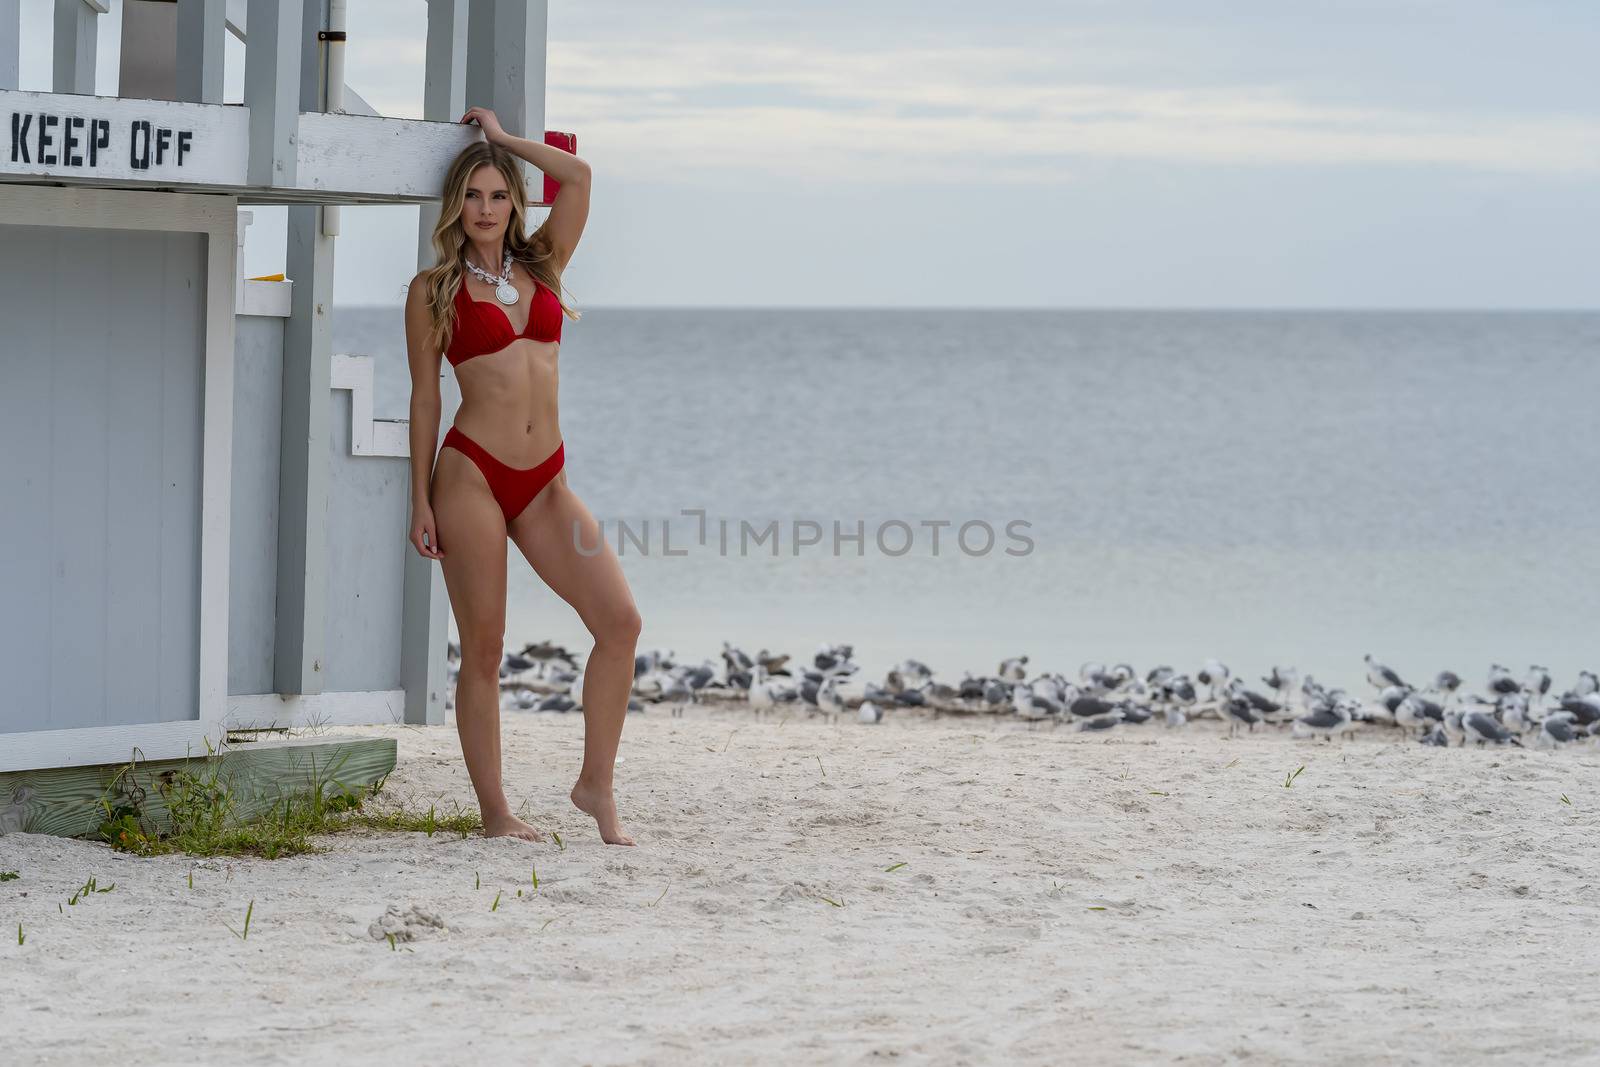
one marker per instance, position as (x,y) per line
(1014,669)
(1323,722)
(1556,730)
(1500,681)
(1481,727)
(1213,674)
(869,713)
(1446,685)
(1381,676)
(1537,684)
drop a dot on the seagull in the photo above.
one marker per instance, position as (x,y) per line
(1537,683)
(1416,710)
(1588,683)
(1437,736)
(1500,681)
(1101,722)
(1585,709)
(1032,706)
(557,702)
(1482,728)
(828,700)
(1323,722)
(1281,681)
(760,693)
(869,713)
(1213,673)
(1447,683)
(1014,669)
(1380,675)
(1556,730)
(1237,711)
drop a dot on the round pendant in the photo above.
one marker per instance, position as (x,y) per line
(507,293)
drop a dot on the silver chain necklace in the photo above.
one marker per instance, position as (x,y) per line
(504,291)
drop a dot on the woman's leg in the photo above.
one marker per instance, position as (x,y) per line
(593,584)
(472,536)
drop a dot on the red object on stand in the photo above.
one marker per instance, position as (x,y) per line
(567,142)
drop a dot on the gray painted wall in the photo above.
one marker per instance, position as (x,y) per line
(368,509)
(365,532)
(101,359)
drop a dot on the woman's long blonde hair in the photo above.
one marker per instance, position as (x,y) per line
(532,250)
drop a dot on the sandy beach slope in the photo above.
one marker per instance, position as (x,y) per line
(1142,898)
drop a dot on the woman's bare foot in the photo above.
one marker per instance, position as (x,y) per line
(603,807)
(508,825)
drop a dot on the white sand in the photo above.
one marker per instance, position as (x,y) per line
(1398,904)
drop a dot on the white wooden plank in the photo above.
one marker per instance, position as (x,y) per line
(368,436)
(272,89)
(76,37)
(216,502)
(10,44)
(339,154)
(268,710)
(132,651)
(264,298)
(51,135)
(107,744)
(201,50)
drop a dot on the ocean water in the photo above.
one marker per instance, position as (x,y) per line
(1292,488)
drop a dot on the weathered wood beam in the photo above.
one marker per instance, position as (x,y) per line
(66,801)
(201,30)
(272,89)
(506,69)
(76,40)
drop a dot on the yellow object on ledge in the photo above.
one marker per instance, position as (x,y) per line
(266,278)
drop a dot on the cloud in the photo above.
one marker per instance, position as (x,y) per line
(673,109)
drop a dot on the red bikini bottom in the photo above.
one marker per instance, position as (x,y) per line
(513,487)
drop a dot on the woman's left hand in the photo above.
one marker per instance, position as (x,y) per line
(493,132)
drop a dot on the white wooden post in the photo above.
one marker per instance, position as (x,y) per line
(506,70)
(76,26)
(10,43)
(425,627)
(307,404)
(201,27)
(272,89)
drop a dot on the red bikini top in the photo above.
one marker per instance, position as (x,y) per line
(483,327)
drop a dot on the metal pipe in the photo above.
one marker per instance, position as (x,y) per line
(333,89)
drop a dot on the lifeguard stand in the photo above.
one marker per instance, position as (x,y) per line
(203,526)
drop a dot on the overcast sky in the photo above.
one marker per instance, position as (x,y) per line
(1127,153)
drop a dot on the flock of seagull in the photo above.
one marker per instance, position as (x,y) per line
(546,677)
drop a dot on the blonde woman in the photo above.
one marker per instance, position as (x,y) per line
(491,305)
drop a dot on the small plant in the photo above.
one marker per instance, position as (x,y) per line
(1097,909)
(86,889)
(536,877)
(392,946)
(477,880)
(836,903)
(820,767)
(560,845)
(246,935)
(664,889)
(1288,780)
(9,876)
(20,937)
(896,867)
(496,905)
(547,922)
(1564,800)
